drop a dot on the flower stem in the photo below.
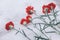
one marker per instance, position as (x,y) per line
(55,28)
(48,16)
(42,32)
(22,34)
(25,35)
(31,30)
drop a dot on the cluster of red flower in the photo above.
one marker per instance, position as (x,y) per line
(26,21)
(48,8)
(9,25)
(30,10)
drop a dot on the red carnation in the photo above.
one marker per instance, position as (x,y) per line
(29,10)
(9,25)
(45,9)
(23,21)
(28,17)
(52,5)
(26,21)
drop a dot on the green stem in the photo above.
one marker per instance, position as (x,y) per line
(31,30)
(22,34)
(57,23)
(42,32)
(41,38)
(54,14)
(55,28)
(48,16)
(25,35)
(40,19)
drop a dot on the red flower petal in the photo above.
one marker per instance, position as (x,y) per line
(22,21)
(8,25)
(28,10)
(25,20)
(45,7)
(52,5)
(28,21)
(28,17)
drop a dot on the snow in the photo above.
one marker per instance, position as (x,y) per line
(14,10)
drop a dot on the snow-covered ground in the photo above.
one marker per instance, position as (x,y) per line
(14,10)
